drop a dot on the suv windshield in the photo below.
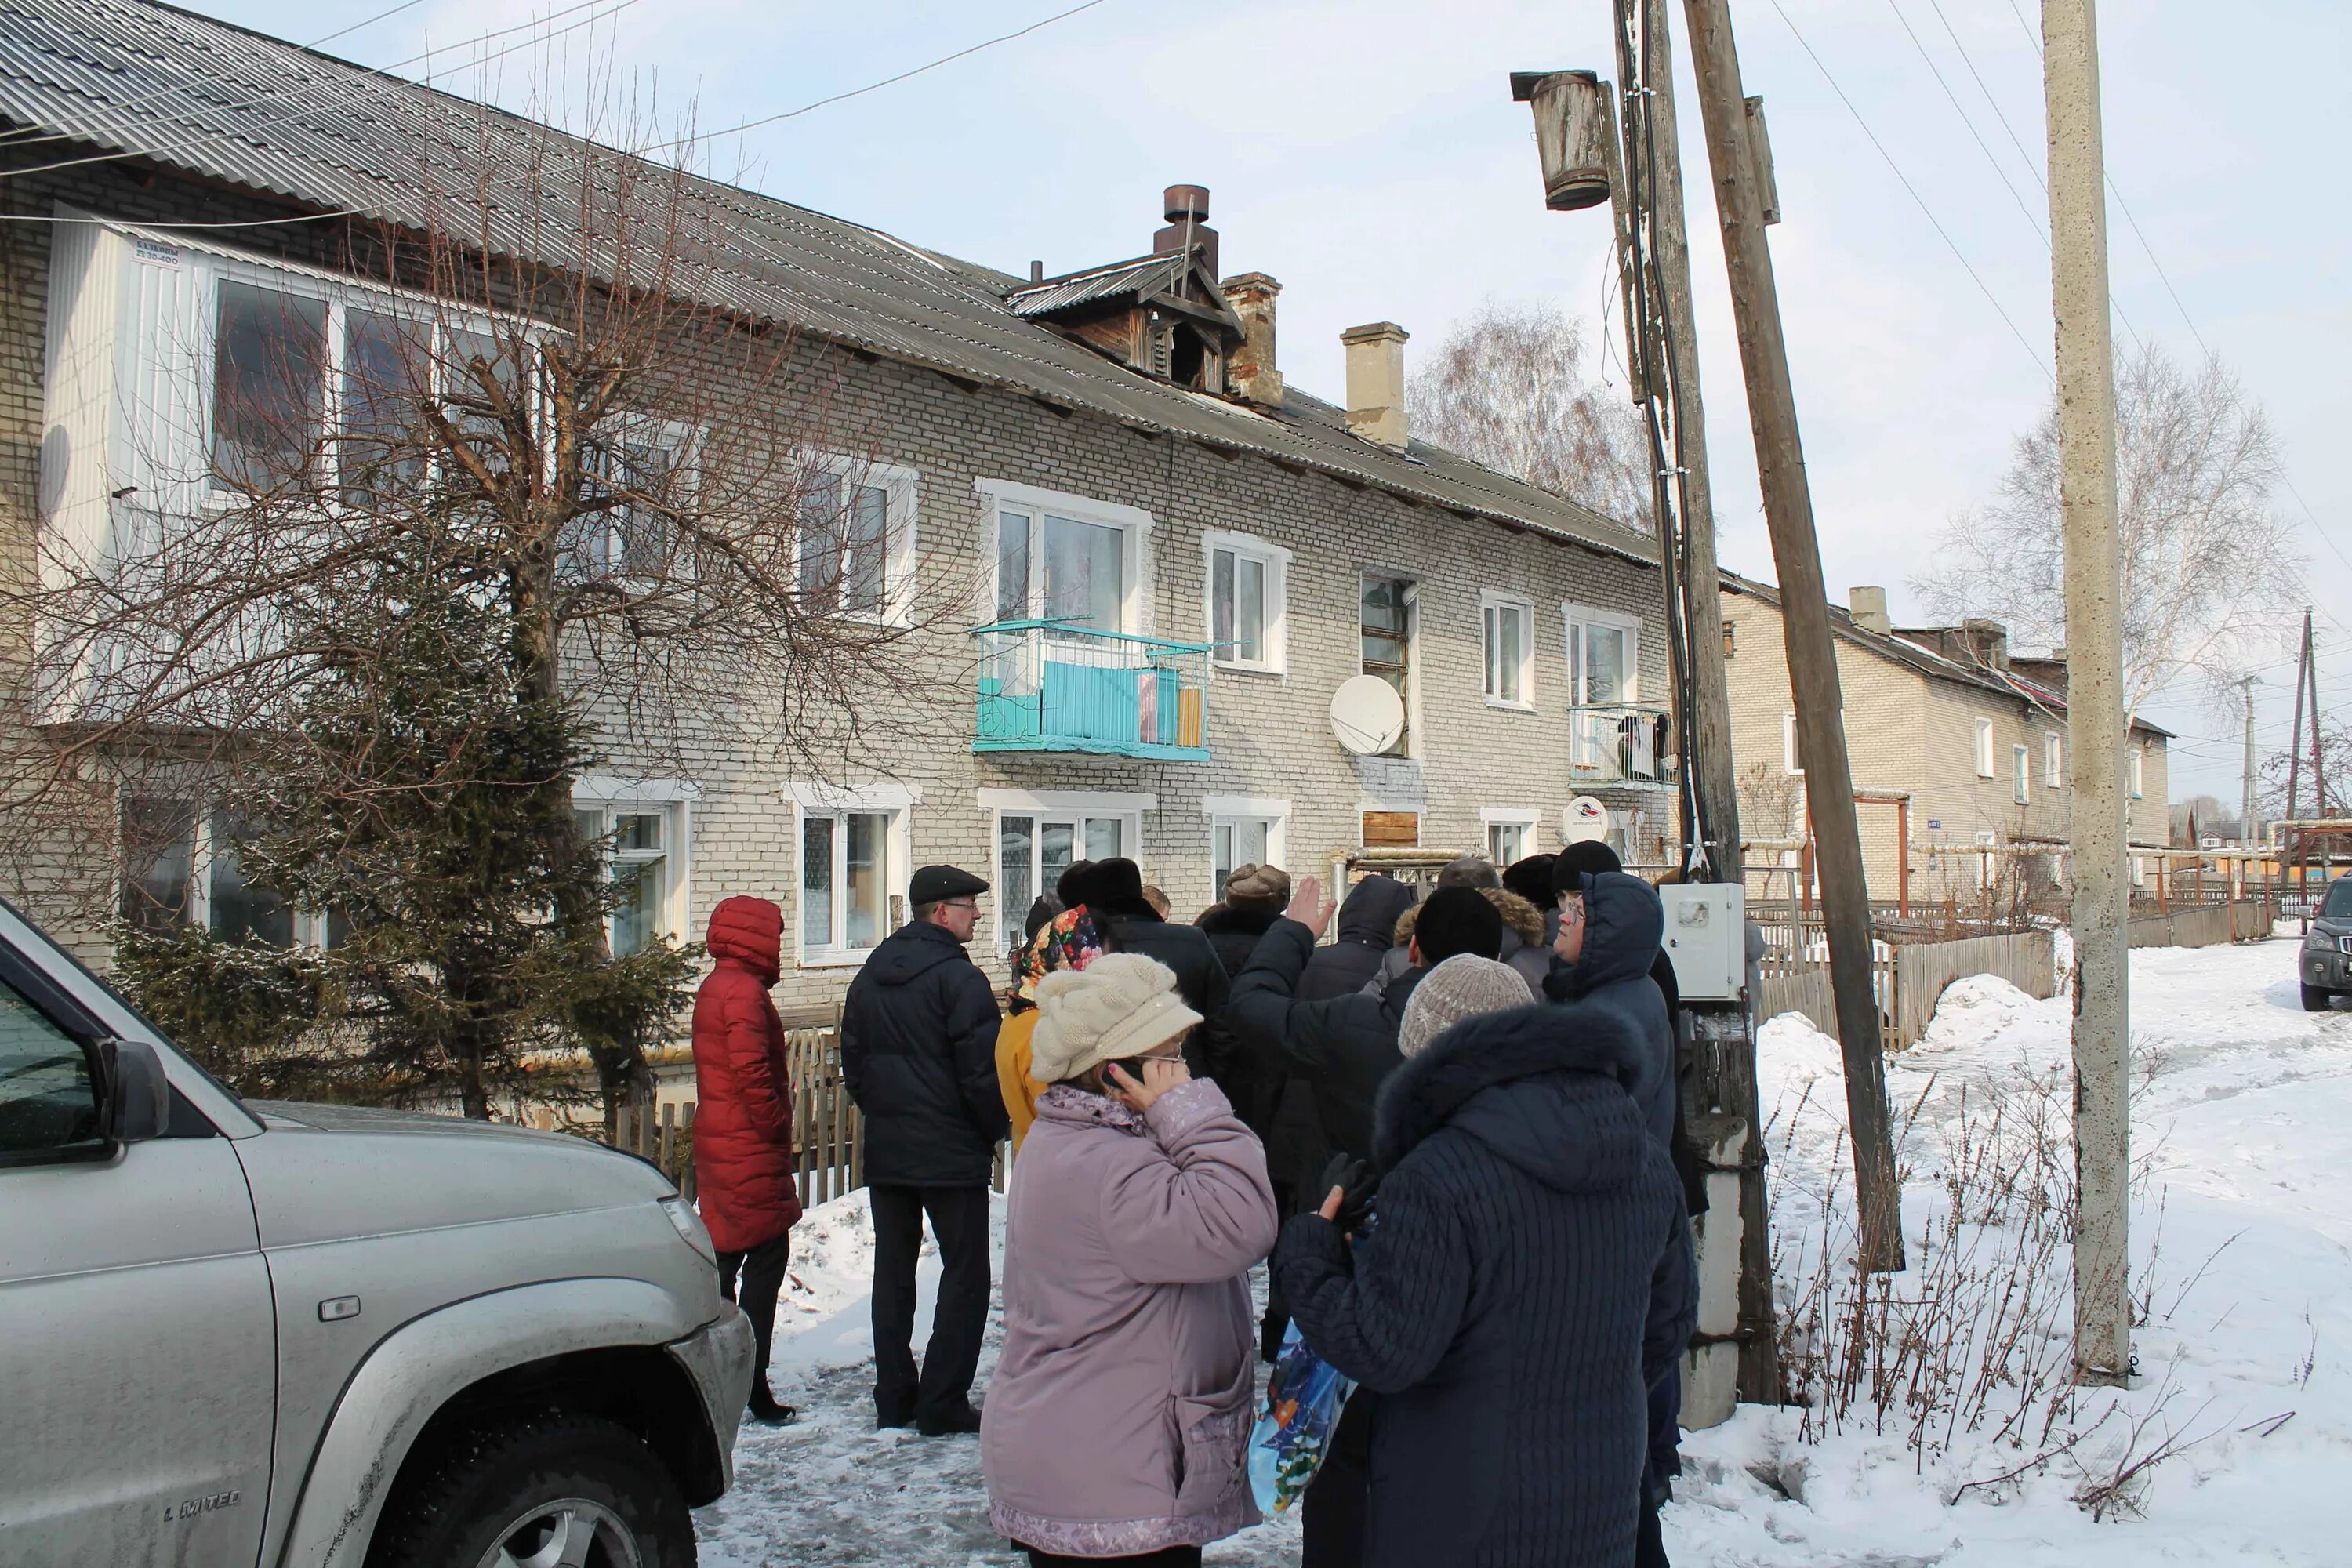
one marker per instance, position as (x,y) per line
(2339,900)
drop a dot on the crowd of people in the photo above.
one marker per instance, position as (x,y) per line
(1451,1132)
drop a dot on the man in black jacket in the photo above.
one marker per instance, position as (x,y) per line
(1113,892)
(919,1056)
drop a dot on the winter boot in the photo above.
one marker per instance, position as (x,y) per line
(766,1411)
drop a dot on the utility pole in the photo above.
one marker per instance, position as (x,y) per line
(1804,606)
(2094,691)
(2246,823)
(2302,682)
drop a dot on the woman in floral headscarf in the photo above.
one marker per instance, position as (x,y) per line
(1069,940)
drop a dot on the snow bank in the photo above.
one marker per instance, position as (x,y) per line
(2243,1276)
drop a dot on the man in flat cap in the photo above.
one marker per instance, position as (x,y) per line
(919,1056)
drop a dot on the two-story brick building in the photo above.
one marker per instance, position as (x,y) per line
(1161,559)
(1953,744)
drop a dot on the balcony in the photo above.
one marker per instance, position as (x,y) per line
(1620,744)
(1049,686)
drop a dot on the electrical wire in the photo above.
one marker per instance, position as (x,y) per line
(290,99)
(1927,211)
(874,86)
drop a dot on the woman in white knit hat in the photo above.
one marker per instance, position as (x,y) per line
(1118,1418)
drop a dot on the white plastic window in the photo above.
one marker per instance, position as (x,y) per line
(2022,766)
(1984,749)
(2054,759)
(1246,592)
(847,877)
(1510,651)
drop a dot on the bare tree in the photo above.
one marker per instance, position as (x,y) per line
(545,397)
(1508,389)
(2207,571)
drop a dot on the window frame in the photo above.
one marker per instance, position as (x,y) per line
(2139,778)
(1492,602)
(1575,619)
(672,800)
(1075,806)
(1983,742)
(1790,763)
(895,802)
(1407,592)
(2020,764)
(684,443)
(1527,821)
(1233,810)
(1035,504)
(902,487)
(339,296)
(2053,760)
(1275,633)
(206,854)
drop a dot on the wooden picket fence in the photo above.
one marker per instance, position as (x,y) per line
(1909,979)
(827,1128)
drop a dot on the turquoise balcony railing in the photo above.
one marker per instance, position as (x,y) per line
(1620,743)
(1047,686)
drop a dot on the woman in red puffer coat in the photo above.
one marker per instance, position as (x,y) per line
(743,1155)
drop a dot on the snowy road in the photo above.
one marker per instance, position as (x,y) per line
(2245,1122)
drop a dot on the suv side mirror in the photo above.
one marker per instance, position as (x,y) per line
(137,1096)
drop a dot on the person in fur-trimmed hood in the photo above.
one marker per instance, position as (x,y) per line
(1528,1279)
(1524,947)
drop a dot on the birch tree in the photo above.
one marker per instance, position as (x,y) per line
(2209,574)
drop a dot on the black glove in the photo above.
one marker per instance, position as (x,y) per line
(1357,1183)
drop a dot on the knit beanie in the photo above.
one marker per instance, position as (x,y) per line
(1588,857)
(1120,1005)
(1457,920)
(1463,986)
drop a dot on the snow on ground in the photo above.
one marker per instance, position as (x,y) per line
(2242,1247)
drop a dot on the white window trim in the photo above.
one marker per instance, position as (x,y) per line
(814,799)
(901,520)
(2054,759)
(1276,560)
(2139,773)
(1130,805)
(1528,817)
(1984,744)
(1789,745)
(1135,618)
(1574,615)
(2020,767)
(1491,599)
(674,801)
(1271,810)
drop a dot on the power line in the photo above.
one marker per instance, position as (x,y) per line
(873,86)
(1929,212)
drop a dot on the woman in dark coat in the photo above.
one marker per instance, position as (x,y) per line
(1527,1277)
(743,1155)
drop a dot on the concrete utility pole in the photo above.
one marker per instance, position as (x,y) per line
(1804,606)
(2094,691)
(2247,824)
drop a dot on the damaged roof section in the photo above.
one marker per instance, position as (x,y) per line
(133,79)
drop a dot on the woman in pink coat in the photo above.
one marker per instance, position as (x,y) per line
(1118,1418)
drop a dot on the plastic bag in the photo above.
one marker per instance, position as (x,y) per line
(1302,1401)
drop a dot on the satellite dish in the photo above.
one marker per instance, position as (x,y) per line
(1367,715)
(1586,821)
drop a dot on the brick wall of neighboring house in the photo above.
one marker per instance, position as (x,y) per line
(1909,729)
(1270,735)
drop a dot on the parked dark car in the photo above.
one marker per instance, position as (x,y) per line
(2326,964)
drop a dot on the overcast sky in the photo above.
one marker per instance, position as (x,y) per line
(1366,154)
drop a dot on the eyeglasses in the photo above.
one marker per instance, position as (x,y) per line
(972,904)
(1571,913)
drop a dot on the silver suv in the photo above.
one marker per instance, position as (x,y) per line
(237,1334)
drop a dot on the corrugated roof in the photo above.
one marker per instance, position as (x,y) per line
(1902,650)
(1144,275)
(218,100)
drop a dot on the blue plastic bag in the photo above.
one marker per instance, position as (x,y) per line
(1302,1401)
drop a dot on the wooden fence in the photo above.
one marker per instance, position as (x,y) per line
(1909,979)
(827,1128)
(2208,925)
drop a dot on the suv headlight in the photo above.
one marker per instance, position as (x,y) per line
(2319,941)
(690,1227)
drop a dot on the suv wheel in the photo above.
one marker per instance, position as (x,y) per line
(546,1492)
(2314,998)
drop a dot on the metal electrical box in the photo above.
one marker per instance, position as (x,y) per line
(1707,939)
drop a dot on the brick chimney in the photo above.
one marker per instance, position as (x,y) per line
(1868,606)
(1253,372)
(1376,382)
(1987,642)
